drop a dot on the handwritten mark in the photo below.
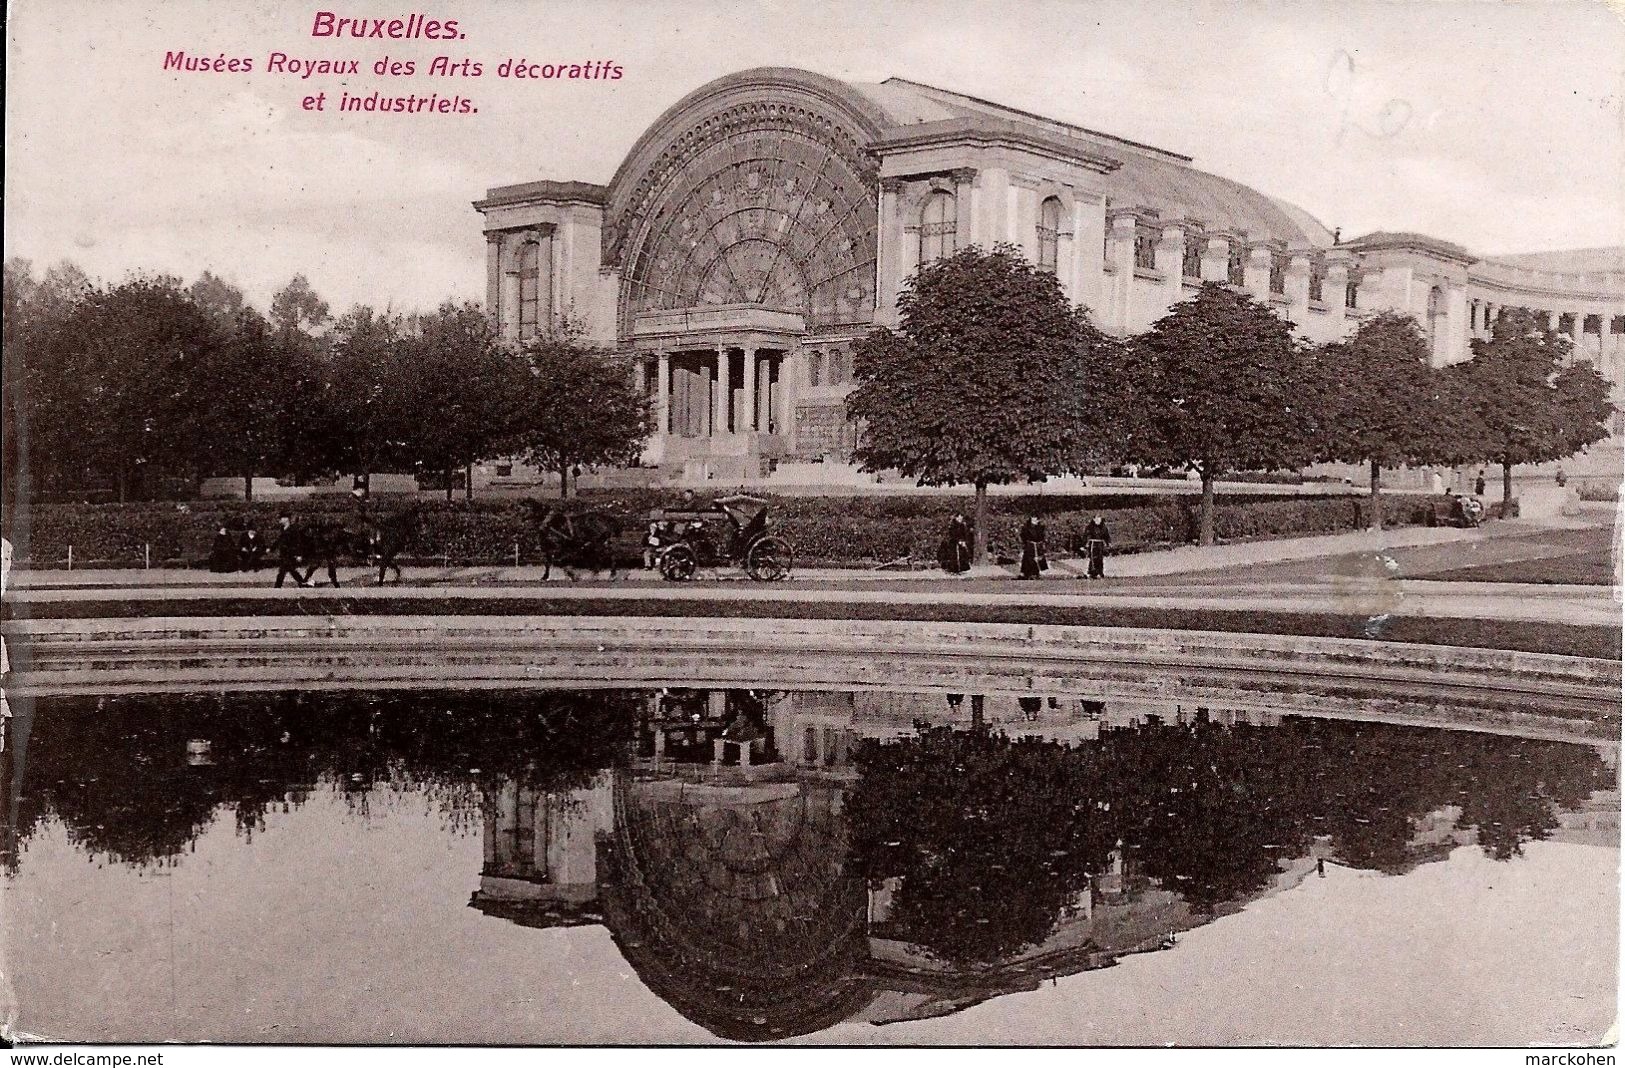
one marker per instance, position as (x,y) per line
(1341,83)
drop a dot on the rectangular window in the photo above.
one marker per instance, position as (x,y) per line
(815,369)
(1351,294)
(1617,326)
(1191,263)
(1145,250)
(504,470)
(1277,274)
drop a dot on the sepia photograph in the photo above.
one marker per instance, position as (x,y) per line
(914,524)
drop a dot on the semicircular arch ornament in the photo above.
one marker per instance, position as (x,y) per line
(765,202)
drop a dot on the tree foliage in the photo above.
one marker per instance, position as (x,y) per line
(992,376)
(1383,403)
(1223,386)
(578,407)
(116,387)
(1527,401)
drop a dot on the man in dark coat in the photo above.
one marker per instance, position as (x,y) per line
(292,547)
(954,553)
(1092,544)
(1033,558)
(1479,484)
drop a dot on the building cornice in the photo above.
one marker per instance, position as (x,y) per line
(984,133)
(503,196)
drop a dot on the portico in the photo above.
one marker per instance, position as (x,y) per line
(721,384)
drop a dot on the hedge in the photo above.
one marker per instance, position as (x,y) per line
(849,530)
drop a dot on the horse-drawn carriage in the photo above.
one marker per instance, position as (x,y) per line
(734,531)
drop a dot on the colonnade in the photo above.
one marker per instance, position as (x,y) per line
(707,392)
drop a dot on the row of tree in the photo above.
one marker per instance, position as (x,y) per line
(149,381)
(993,376)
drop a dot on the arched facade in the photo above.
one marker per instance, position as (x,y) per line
(769,219)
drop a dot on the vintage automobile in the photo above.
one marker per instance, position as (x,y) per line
(733,532)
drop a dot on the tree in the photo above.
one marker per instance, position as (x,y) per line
(465,390)
(1223,387)
(1383,402)
(297,307)
(1527,403)
(217,297)
(124,381)
(992,376)
(363,422)
(36,311)
(578,407)
(259,397)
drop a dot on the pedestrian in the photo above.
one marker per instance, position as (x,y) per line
(1092,545)
(652,538)
(250,549)
(292,546)
(223,554)
(954,552)
(1479,484)
(1033,559)
(1562,477)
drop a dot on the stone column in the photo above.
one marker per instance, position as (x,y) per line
(663,393)
(1258,271)
(749,384)
(725,392)
(787,390)
(1121,227)
(966,228)
(890,245)
(1170,260)
(1297,286)
(1335,290)
(1456,332)
(1216,258)
(493,277)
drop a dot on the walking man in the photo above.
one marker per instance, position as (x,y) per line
(1033,559)
(1092,544)
(291,549)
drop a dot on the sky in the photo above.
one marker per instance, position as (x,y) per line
(1495,125)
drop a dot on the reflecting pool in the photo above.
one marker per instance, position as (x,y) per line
(682,866)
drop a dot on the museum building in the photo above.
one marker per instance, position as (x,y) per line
(766,221)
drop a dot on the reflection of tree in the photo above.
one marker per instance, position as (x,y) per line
(116,772)
(993,837)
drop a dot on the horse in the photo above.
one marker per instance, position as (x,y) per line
(378,543)
(584,539)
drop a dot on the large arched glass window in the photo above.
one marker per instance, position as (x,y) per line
(1049,234)
(530,275)
(939,222)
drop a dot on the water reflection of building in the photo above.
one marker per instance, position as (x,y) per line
(720,870)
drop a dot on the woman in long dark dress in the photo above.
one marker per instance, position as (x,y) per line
(1033,559)
(954,553)
(223,555)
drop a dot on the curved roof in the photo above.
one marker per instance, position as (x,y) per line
(1148,176)
(1145,176)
